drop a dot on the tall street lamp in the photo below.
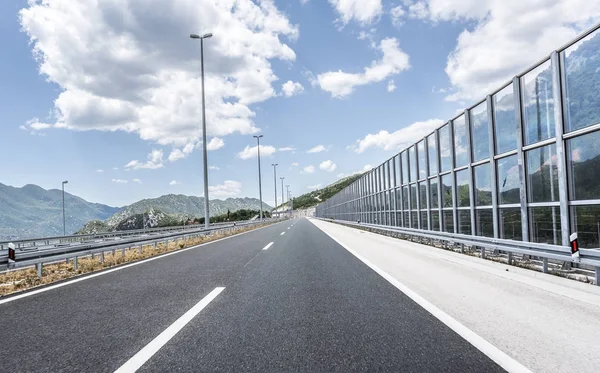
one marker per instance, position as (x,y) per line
(275,181)
(282,200)
(259,178)
(206,212)
(63,198)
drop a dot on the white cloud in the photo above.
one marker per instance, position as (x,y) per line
(303,2)
(313,187)
(286,149)
(328,166)
(176,155)
(393,61)
(295,164)
(99,170)
(290,88)
(138,181)
(368,35)
(309,169)
(251,152)
(152,86)
(317,149)
(155,160)
(361,11)
(397,14)
(398,139)
(216,168)
(116,168)
(366,168)
(229,188)
(488,52)
(391,87)
(215,144)
(175,182)
(119,181)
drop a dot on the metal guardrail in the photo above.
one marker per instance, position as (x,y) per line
(46,255)
(45,241)
(589,257)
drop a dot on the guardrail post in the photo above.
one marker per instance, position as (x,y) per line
(38,266)
(510,258)
(140,249)
(123,252)
(75,264)
(102,257)
(545,265)
(483,253)
(597,279)
(154,245)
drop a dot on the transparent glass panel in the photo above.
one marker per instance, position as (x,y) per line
(583,82)
(422,160)
(423,194)
(398,219)
(413,196)
(407,219)
(435,220)
(393,200)
(510,224)
(448,221)
(464,221)
(542,174)
(415,220)
(412,163)
(461,141)
(447,190)
(545,225)
(433,190)
(484,222)
(404,168)
(395,171)
(505,120)
(538,104)
(483,185)
(399,199)
(481,132)
(508,180)
(424,220)
(405,197)
(584,164)
(586,222)
(431,144)
(445,156)
(462,183)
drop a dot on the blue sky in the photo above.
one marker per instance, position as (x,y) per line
(116,84)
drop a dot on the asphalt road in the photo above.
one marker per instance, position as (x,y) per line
(305,304)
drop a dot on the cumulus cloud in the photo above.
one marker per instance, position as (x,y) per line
(317,149)
(252,152)
(174,182)
(487,52)
(290,88)
(177,154)
(393,61)
(216,168)
(99,170)
(215,144)
(138,181)
(366,168)
(119,181)
(155,160)
(316,186)
(391,87)
(397,14)
(229,188)
(361,11)
(286,149)
(309,169)
(398,139)
(328,166)
(117,71)
(295,164)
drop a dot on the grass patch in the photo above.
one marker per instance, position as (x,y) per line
(27,278)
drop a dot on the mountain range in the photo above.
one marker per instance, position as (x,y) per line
(31,211)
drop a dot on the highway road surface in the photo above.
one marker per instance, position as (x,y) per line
(287,297)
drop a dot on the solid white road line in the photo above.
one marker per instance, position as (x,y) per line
(282,233)
(491,351)
(268,245)
(87,277)
(156,344)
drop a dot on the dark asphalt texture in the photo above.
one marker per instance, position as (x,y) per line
(306,304)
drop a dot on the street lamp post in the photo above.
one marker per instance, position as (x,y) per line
(282,200)
(259,177)
(204,152)
(63,206)
(275,181)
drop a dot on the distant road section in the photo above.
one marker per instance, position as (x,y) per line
(299,301)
